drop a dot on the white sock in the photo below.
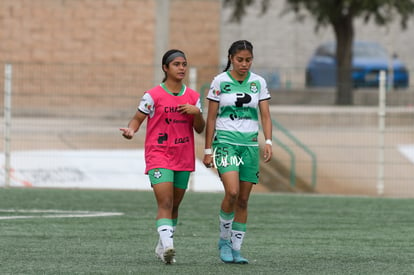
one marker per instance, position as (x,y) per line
(166,233)
(225,228)
(237,239)
(173,231)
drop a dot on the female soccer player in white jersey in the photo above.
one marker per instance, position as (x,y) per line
(231,143)
(173,111)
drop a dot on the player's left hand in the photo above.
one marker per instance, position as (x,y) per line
(268,152)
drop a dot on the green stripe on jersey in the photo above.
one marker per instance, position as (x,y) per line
(237,138)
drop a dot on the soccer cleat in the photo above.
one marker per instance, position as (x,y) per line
(168,255)
(225,251)
(237,258)
(159,252)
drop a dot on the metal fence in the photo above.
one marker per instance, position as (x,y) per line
(74,111)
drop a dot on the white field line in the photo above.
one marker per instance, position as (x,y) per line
(49,213)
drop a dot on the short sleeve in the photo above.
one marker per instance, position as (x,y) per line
(264,91)
(214,91)
(198,105)
(147,105)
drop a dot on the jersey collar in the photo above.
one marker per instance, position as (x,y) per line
(171,93)
(235,81)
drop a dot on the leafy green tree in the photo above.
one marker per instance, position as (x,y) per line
(340,14)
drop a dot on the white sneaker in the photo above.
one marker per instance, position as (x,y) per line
(169,255)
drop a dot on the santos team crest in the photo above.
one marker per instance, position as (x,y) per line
(157,174)
(253,87)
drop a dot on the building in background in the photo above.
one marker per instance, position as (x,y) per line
(140,31)
(111,32)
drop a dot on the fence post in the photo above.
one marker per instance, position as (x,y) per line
(193,78)
(7,122)
(193,85)
(381,132)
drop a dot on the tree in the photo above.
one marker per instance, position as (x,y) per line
(340,14)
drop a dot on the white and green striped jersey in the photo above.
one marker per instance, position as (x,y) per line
(238,119)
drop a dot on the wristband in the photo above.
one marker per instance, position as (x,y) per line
(208,151)
(268,141)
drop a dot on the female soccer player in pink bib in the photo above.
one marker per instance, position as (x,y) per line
(173,111)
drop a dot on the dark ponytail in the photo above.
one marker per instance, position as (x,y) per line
(236,47)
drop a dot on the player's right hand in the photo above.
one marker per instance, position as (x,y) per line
(127,133)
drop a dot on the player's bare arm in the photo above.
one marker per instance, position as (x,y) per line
(133,125)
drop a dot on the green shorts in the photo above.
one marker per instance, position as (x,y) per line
(243,159)
(178,178)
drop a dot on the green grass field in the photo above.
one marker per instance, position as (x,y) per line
(286,234)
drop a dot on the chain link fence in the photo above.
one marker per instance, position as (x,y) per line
(56,110)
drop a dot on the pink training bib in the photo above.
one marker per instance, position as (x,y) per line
(169,139)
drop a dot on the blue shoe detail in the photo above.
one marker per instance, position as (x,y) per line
(226,254)
(237,258)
